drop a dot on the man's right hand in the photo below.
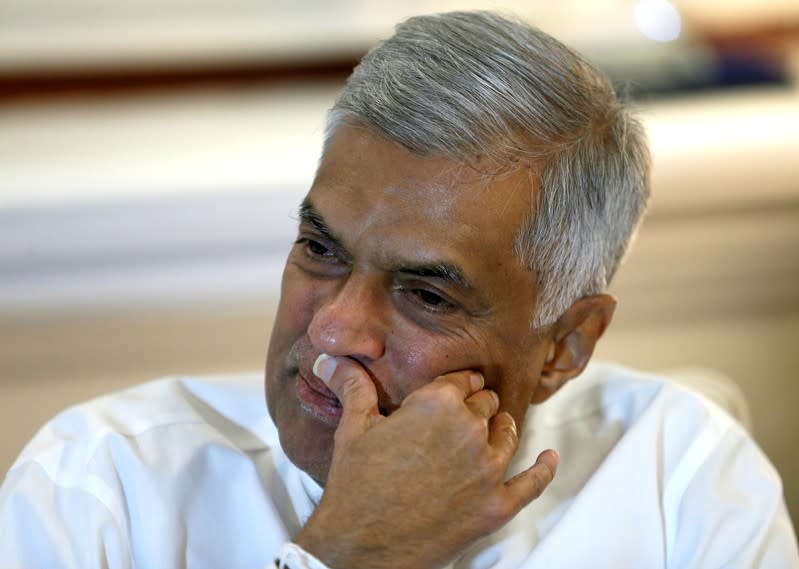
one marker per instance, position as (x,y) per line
(414,489)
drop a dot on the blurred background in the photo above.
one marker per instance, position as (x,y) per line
(153,153)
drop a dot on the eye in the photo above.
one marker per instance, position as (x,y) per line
(428,297)
(429,300)
(315,249)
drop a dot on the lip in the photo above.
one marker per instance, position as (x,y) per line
(316,399)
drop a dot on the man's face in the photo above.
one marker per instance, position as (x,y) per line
(405,264)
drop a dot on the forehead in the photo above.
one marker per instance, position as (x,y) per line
(375,186)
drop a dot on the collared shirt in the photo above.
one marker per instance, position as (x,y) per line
(188,472)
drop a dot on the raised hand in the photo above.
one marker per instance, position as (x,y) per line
(416,488)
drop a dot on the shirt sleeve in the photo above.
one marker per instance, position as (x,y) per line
(55,527)
(292,556)
(727,508)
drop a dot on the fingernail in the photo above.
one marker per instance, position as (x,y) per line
(324,367)
(477,381)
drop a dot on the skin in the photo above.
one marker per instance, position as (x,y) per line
(404,273)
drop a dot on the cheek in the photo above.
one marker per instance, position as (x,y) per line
(418,358)
(516,378)
(515,389)
(296,306)
(294,313)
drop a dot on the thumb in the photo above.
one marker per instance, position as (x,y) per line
(354,389)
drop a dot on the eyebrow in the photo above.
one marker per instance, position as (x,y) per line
(308,214)
(442,270)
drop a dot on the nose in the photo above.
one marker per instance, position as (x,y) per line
(349,320)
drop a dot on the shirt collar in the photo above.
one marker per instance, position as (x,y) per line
(312,489)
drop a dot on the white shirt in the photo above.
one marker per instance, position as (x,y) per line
(186,472)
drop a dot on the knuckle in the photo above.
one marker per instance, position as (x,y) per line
(489,404)
(491,469)
(445,394)
(510,423)
(493,400)
(507,427)
(436,397)
(498,511)
(512,436)
(348,386)
(474,428)
(497,463)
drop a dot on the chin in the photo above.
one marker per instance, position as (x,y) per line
(313,459)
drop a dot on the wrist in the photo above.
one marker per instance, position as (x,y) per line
(341,545)
(323,543)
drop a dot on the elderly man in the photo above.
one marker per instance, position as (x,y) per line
(477,189)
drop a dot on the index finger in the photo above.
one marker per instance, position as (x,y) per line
(467,382)
(457,385)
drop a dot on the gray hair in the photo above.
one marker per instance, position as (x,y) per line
(471,85)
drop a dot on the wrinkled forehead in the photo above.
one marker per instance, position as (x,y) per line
(373,190)
(478,191)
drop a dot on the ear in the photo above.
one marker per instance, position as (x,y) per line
(572,341)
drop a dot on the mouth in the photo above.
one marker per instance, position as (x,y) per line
(315,398)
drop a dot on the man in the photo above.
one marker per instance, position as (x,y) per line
(478,187)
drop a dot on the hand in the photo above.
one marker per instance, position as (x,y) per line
(414,489)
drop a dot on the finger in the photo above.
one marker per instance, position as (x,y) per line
(503,436)
(466,382)
(484,403)
(354,389)
(529,484)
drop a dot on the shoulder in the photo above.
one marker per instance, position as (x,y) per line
(187,411)
(638,399)
(153,473)
(674,422)
(643,447)
(688,416)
